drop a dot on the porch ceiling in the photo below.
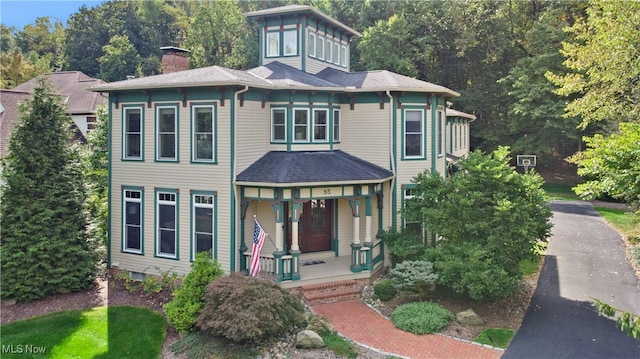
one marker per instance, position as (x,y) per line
(286,168)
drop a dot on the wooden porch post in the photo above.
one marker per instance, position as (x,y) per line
(355,245)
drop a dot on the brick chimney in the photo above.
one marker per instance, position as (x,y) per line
(174,59)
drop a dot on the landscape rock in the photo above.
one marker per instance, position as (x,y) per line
(308,339)
(469,317)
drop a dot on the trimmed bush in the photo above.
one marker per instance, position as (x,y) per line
(414,277)
(384,290)
(188,299)
(250,311)
(421,317)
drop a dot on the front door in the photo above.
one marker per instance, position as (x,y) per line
(314,227)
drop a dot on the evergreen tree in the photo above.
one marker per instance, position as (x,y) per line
(44,246)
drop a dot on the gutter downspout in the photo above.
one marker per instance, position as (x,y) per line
(234,199)
(392,156)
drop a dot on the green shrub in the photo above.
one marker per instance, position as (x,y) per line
(250,311)
(384,290)
(404,245)
(414,277)
(421,317)
(188,299)
(634,236)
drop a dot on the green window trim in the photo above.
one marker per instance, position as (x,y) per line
(282,43)
(165,133)
(132,195)
(407,195)
(440,133)
(281,124)
(311,50)
(201,201)
(129,132)
(412,132)
(164,199)
(198,134)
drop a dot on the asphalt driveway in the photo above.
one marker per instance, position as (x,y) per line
(585,260)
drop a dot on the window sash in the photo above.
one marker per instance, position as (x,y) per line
(203,223)
(320,48)
(273,44)
(412,226)
(278,124)
(202,125)
(439,134)
(343,56)
(166,129)
(336,125)
(300,125)
(336,53)
(312,44)
(132,134)
(290,42)
(166,226)
(413,134)
(320,125)
(132,217)
(327,50)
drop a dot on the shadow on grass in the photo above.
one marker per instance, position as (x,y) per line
(134,333)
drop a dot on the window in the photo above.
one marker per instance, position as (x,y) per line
(336,125)
(455,136)
(343,56)
(439,125)
(336,53)
(300,125)
(413,134)
(414,227)
(278,124)
(203,141)
(166,238)
(320,125)
(327,50)
(290,42)
(166,130)
(132,217)
(320,48)
(273,44)
(312,44)
(91,123)
(202,226)
(132,141)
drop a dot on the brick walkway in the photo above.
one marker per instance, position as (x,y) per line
(356,321)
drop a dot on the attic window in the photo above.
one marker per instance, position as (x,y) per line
(290,42)
(273,44)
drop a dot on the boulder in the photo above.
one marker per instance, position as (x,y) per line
(308,339)
(469,317)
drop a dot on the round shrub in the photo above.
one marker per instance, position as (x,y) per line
(414,277)
(247,310)
(189,298)
(421,317)
(384,290)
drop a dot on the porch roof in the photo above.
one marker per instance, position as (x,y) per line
(280,168)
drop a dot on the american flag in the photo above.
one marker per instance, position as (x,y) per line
(259,237)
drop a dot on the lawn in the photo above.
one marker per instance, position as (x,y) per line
(104,332)
(560,191)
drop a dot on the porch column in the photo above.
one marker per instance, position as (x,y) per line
(367,265)
(296,209)
(277,209)
(355,245)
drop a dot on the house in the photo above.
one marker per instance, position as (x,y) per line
(322,157)
(73,87)
(10,101)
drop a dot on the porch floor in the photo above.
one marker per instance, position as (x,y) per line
(333,269)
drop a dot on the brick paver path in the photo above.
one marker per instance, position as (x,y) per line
(356,321)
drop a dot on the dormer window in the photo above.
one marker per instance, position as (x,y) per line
(290,42)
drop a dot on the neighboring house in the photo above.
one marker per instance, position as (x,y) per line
(321,156)
(10,101)
(73,87)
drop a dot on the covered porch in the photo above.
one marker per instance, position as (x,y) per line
(317,233)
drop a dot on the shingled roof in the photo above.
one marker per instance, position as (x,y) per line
(309,167)
(73,87)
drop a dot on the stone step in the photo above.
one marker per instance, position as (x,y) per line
(330,292)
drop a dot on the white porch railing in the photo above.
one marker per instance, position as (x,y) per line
(269,264)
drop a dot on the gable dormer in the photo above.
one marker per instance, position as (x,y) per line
(304,38)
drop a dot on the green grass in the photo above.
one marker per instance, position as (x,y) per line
(560,191)
(497,337)
(105,332)
(339,345)
(623,221)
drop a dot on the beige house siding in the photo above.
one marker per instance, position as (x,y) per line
(183,177)
(365,133)
(253,134)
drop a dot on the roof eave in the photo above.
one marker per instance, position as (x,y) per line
(310,184)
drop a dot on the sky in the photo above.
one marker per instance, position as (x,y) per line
(18,13)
